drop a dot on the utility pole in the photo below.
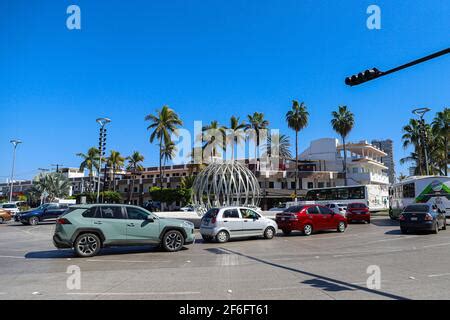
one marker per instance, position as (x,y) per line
(57,166)
(14,142)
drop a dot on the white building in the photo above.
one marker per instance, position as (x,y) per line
(364,164)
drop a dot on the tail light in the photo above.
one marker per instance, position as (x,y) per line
(428,217)
(401,218)
(62,221)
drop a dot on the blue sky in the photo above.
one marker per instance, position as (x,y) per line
(207,60)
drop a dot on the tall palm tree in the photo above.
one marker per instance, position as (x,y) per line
(115,161)
(210,132)
(412,137)
(297,120)
(167,153)
(257,123)
(343,122)
(163,123)
(440,127)
(236,132)
(278,143)
(90,162)
(134,166)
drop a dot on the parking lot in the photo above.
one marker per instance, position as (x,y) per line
(328,265)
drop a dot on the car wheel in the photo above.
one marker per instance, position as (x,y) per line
(269,233)
(403,230)
(173,240)
(222,236)
(436,228)
(33,221)
(286,232)
(307,229)
(87,245)
(341,227)
(207,238)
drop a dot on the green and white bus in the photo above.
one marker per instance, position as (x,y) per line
(420,189)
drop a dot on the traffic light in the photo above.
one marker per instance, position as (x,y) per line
(363,77)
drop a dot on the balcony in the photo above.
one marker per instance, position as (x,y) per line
(368,178)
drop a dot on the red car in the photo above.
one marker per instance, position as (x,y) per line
(309,218)
(358,212)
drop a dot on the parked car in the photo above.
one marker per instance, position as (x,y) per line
(358,212)
(88,228)
(187,208)
(4,216)
(310,218)
(45,212)
(339,208)
(222,224)
(11,207)
(425,216)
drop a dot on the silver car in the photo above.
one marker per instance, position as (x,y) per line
(339,208)
(222,224)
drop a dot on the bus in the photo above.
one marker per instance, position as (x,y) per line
(420,189)
(375,196)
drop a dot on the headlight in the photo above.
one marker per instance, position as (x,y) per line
(188,224)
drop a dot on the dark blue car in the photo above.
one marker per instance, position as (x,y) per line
(45,212)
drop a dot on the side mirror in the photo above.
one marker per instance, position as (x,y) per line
(150,218)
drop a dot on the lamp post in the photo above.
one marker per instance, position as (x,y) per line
(14,142)
(101,148)
(423,134)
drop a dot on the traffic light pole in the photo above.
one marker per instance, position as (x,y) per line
(375,73)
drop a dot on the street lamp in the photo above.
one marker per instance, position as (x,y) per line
(101,148)
(423,133)
(14,142)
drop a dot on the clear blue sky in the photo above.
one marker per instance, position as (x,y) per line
(207,60)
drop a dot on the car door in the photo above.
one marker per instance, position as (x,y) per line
(139,228)
(49,212)
(329,218)
(232,221)
(111,221)
(252,224)
(316,217)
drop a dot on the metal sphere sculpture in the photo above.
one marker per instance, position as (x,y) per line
(225,183)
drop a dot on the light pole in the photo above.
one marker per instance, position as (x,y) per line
(15,142)
(101,148)
(423,134)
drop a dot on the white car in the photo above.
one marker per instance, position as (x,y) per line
(11,207)
(339,208)
(187,208)
(222,224)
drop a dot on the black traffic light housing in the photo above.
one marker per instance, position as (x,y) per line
(363,77)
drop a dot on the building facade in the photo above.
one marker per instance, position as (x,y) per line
(388,147)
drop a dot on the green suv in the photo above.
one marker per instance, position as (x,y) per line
(88,228)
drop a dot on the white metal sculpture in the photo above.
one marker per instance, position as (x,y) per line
(225,183)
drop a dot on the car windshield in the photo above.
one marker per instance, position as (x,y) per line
(417,208)
(356,205)
(294,209)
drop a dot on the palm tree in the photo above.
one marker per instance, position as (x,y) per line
(187,182)
(412,137)
(115,161)
(278,143)
(90,162)
(297,120)
(134,166)
(53,185)
(440,127)
(343,122)
(163,123)
(236,131)
(167,153)
(257,123)
(210,132)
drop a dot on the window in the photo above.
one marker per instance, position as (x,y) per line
(111,212)
(294,209)
(271,185)
(409,190)
(136,214)
(89,213)
(212,213)
(356,193)
(310,185)
(292,185)
(249,214)
(321,185)
(313,210)
(231,213)
(417,208)
(324,210)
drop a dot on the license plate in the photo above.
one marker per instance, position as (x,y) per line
(414,219)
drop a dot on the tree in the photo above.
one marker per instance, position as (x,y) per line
(167,153)
(163,123)
(343,122)
(90,162)
(115,161)
(51,185)
(297,120)
(187,182)
(236,132)
(411,137)
(210,132)
(134,166)
(440,127)
(280,144)
(257,123)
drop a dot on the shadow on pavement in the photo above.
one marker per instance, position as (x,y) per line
(321,278)
(385,222)
(326,285)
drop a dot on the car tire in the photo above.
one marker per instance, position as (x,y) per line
(307,230)
(207,238)
(286,232)
(269,233)
(341,227)
(436,228)
(403,230)
(33,221)
(87,245)
(222,236)
(172,241)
